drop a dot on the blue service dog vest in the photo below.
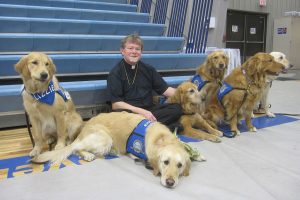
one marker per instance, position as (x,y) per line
(225,89)
(136,141)
(48,96)
(197,80)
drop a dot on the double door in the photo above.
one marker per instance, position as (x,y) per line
(247,32)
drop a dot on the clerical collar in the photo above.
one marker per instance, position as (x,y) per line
(129,66)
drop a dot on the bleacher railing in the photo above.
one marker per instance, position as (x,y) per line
(177,19)
(184,18)
(160,12)
(199,25)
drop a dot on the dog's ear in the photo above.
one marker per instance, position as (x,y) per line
(52,66)
(198,70)
(182,95)
(21,66)
(161,140)
(176,97)
(252,65)
(154,164)
(187,168)
(156,171)
(210,56)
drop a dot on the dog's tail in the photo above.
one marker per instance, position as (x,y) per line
(55,156)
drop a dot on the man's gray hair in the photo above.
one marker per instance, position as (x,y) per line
(133,38)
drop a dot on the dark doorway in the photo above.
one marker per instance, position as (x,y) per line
(246,31)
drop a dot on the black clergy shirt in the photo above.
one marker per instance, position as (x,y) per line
(136,91)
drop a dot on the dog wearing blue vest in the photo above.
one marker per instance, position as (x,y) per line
(128,133)
(210,74)
(191,101)
(50,108)
(241,89)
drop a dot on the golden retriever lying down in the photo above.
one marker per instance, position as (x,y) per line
(110,131)
(190,99)
(210,74)
(247,83)
(50,109)
(263,105)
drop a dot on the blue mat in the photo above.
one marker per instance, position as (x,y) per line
(258,122)
(18,166)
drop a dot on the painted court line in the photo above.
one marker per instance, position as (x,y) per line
(18,166)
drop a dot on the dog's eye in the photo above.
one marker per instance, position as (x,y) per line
(216,57)
(35,62)
(270,60)
(179,165)
(47,64)
(280,57)
(166,162)
(223,57)
(192,91)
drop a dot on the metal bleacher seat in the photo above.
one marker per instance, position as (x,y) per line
(9,10)
(95,5)
(24,42)
(83,39)
(72,26)
(89,63)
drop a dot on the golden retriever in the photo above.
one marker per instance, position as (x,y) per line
(263,105)
(50,109)
(247,83)
(190,99)
(108,132)
(210,74)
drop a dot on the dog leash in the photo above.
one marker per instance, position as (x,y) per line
(193,152)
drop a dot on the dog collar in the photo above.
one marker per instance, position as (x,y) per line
(48,96)
(197,80)
(136,141)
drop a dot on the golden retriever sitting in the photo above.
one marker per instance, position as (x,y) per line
(50,109)
(241,90)
(111,131)
(263,105)
(210,74)
(190,99)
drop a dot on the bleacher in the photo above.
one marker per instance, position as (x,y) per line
(83,39)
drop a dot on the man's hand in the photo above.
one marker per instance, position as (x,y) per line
(148,115)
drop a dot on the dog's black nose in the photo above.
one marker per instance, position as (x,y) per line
(44,76)
(170,182)
(221,65)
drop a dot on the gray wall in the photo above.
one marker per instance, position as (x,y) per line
(215,35)
(274,9)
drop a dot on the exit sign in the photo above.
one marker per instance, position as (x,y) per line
(262,3)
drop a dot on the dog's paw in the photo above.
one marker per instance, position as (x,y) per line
(253,129)
(215,139)
(59,146)
(88,157)
(218,133)
(35,151)
(236,132)
(270,114)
